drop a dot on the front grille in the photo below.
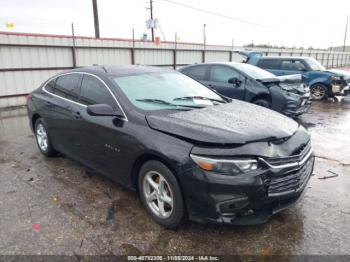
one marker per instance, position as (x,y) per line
(297,156)
(291,182)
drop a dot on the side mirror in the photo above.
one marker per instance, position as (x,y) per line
(103,110)
(235,81)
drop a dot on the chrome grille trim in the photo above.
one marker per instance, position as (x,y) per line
(291,183)
(290,161)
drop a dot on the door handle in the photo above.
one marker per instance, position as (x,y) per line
(77,115)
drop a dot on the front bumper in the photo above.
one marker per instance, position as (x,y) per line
(248,200)
(297,104)
(346,90)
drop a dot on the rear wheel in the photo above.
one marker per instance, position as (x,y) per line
(43,138)
(319,92)
(161,195)
(262,102)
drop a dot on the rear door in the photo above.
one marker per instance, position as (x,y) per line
(219,75)
(63,112)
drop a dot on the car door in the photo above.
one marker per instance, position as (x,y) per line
(63,112)
(292,67)
(103,138)
(219,76)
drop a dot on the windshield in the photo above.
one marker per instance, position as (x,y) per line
(314,65)
(254,71)
(153,91)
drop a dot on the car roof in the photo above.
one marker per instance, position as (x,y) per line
(120,70)
(212,63)
(284,57)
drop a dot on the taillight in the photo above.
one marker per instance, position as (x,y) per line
(28,97)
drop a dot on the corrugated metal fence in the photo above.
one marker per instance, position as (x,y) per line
(26,60)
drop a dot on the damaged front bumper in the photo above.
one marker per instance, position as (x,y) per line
(297,104)
(248,200)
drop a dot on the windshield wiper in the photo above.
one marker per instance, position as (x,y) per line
(199,97)
(163,102)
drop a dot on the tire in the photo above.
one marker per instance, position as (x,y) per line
(262,102)
(164,203)
(42,137)
(319,92)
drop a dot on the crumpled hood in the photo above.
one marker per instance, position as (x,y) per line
(232,123)
(345,74)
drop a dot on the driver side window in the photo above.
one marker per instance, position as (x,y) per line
(222,74)
(93,91)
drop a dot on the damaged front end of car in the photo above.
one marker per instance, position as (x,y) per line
(297,99)
(271,176)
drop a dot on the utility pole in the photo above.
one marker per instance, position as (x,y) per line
(74,56)
(346,30)
(96,23)
(151,13)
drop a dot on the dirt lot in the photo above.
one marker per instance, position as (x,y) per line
(53,206)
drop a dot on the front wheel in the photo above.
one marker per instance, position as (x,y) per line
(262,102)
(161,195)
(319,92)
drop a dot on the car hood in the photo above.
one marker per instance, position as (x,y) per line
(293,83)
(344,73)
(236,122)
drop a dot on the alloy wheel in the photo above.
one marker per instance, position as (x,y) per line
(158,194)
(41,136)
(318,92)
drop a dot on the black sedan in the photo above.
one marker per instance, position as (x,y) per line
(287,95)
(189,152)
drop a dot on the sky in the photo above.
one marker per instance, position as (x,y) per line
(290,23)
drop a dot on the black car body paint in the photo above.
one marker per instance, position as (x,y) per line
(118,146)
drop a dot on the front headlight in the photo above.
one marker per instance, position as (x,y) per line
(287,87)
(226,166)
(336,78)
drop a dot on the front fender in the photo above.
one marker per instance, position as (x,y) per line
(278,98)
(254,89)
(314,78)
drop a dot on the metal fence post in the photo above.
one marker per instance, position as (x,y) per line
(323,58)
(327,65)
(174,52)
(133,48)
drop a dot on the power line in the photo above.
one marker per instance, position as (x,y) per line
(216,14)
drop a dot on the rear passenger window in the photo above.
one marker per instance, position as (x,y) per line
(292,65)
(269,63)
(196,72)
(50,86)
(68,86)
(93,91)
